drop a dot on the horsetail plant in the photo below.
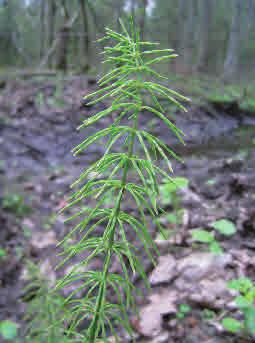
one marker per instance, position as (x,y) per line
(130,173)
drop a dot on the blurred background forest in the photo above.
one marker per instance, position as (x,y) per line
(211,36)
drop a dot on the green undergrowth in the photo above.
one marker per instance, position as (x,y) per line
(205,89)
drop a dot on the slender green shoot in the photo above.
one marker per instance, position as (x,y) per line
(128,170)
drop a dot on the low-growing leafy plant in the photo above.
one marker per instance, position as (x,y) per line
(223,226)
(183,310)
(208,238)
(40,99)
(245,301)
(15,203)
(3,253)
(50,222)
(8,330)
(27,232)
(208,314)
(168,193)
(211,182)
(168,189)
(46,313)
(129,173)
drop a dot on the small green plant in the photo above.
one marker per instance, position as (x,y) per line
(50,222)
(8,330)
(57,99)
(223,226)
(168,193)
(169,220)
(40,99)
(208,238)
(46,313)
(3,253)
(168,190)
(27,232)
(129,174)
(245,301)
(15,203)
(211,182)
(183,310)
(208,314)
(19,252)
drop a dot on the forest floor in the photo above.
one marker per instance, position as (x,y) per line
(37,125)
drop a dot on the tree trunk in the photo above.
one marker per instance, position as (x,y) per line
(85,40)
(186,33)
(180,33)
(233,51)
(60,43)
(142,21)
(118,10)
(189,34)
(42,27)
(204,35)
(181,23)
(61,59)
(63,40)
(51,23)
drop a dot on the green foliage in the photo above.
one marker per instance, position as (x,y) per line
(208,314)
(168,190)
(206,90)
(40,100)
(133,172)
(3,253)
(8,330)
(242,285)
(171,218)
(245,301)
(183,310)
(51,220)
(27,232)
(46,313)
(205,237)
(210,182)
(225,227)
(15,203)
(168,194)
(215,247)
(202,236)
(232,325)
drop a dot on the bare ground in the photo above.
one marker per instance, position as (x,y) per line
(37,127)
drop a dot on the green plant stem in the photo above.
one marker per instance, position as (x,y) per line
(113,223)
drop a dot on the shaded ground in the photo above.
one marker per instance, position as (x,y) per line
(37,126)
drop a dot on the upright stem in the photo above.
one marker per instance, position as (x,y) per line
(113,223)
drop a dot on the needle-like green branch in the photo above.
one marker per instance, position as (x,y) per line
(124,87)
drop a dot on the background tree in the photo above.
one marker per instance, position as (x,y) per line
(233,50)
(143,15)
(85,37)
(210,36)
(206,14)
(52,9)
